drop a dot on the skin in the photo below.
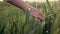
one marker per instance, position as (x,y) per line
(33,11)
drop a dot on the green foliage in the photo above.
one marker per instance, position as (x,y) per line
(16,21)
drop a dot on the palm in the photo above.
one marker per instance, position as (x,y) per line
(35,12)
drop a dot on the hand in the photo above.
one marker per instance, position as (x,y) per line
(35,13)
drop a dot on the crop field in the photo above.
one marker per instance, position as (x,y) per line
(14,20)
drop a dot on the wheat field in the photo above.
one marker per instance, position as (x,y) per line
(15,21)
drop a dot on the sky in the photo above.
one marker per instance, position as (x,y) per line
(36,0)
(39,0)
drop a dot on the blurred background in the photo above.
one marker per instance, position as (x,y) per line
(14,20)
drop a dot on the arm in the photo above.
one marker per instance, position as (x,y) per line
(33,11)
(18,3)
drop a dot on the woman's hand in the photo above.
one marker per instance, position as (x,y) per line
(36,13)
(33,11)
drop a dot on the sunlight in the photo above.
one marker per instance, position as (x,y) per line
(36,0)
